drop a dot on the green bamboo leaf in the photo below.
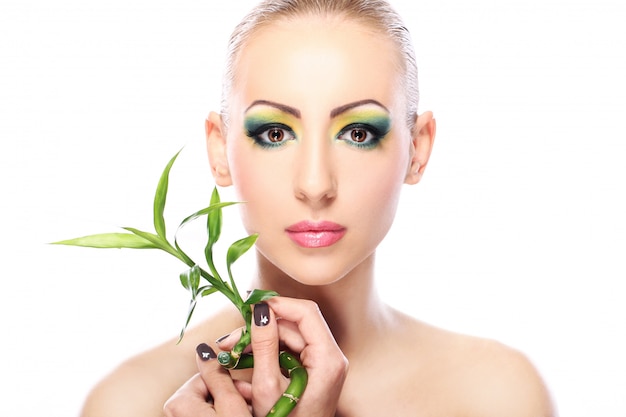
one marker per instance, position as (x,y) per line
(157,241)
(256,296)
(194,278)
(234,252)
(182,255)
(214,230)
(239,248)
(110,240)
(185,281)
(192,307)
(162,244)
(206,290)
(191,279)
(214,281)
(214,220)
(204,212)
(160,196)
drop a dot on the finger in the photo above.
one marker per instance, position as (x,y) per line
(244,388)
(228,341)
(226,398)
(289,334)
(320,354)
(325,363)
(189,400)
(308,318)
(266,378)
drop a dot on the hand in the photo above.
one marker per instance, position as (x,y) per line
(303,330)
(211,392)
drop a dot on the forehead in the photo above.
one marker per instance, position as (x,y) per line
(317,62)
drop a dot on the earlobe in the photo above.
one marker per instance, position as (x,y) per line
(216,149)
(421,147)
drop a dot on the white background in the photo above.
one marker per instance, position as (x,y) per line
(517,231)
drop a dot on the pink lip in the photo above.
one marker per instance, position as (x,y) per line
(315,234)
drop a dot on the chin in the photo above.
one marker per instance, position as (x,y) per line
(314,271)
(312,275)
(316,280)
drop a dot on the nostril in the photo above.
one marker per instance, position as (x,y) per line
(314,171)
(316,189)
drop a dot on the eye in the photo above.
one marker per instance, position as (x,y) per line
(272,135)
(360,135)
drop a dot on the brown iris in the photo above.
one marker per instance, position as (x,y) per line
(276,135)
(358,135)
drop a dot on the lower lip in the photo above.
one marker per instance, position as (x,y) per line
(316,239)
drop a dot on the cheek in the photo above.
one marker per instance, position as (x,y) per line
(383,192)
(376,188)
(242,168)
(258,180)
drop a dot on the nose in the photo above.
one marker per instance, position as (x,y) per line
(315,180)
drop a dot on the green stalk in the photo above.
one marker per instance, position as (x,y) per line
(297,374)
(190,279)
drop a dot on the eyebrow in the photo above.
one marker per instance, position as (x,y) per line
(282,107)
(333,113)
(342,109)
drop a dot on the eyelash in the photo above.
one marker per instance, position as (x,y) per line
(370,143)
(256,135)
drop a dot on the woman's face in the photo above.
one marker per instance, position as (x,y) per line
(318,145)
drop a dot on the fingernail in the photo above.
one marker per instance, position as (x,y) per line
(261,314)
(205,352)
(222,338)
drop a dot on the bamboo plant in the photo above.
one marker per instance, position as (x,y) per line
(192,277)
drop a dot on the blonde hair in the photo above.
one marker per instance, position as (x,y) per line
(377,14)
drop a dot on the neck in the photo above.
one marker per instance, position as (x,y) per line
(351,306)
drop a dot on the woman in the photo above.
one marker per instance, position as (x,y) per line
(318,132)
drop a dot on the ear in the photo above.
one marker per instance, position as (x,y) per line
(216,148)
(421,147)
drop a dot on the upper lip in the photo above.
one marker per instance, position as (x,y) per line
(310,226)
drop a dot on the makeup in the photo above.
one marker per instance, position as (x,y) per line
(312,235)
(362,124)
(362,127)
(269,126)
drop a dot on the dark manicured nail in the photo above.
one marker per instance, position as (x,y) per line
(205,352)
(222,338)
(261,314)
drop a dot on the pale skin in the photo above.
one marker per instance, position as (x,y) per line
(364,358)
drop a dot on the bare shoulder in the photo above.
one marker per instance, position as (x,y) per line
(499,380)
(140,385)
(485,377)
